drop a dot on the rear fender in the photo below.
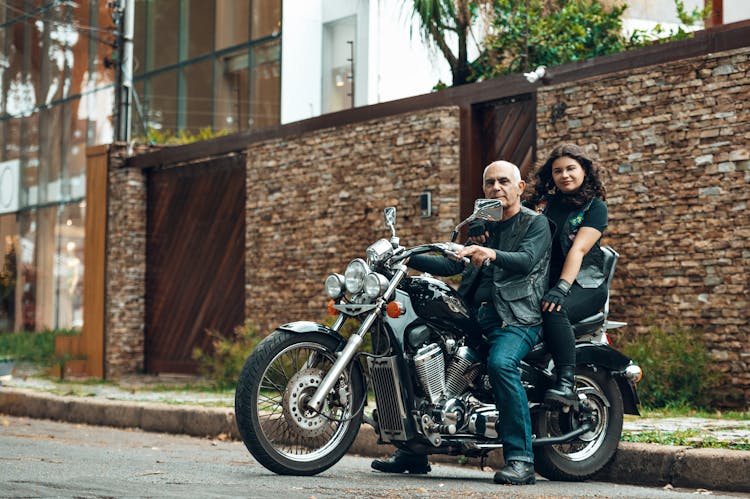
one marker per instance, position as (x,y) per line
(606,357)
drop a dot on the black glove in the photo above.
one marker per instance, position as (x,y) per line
(556,296)
(477,228)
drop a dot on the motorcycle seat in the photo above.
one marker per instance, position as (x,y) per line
(588,325)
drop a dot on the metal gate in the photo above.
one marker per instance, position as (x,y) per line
(195,259)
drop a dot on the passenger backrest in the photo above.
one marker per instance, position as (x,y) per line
(610,262)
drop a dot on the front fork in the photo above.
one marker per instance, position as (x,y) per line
(352,345)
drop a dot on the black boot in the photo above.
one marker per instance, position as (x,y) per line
(516,473)
(564,390)
(401,462)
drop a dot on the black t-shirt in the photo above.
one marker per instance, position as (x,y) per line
(595,217)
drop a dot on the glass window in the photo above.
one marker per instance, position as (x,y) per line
(11,145)
(29,142)
(161,108)
(140,34)
(9,244)
(338,59)
(199,108)
(50,149)
(265,86)
(266,20)
(76,150)
(232,23)
(69,266)
(75,46)
(26,313)
(231,95)
(202,24)
(163,33)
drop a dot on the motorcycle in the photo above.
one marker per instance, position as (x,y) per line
(301,395)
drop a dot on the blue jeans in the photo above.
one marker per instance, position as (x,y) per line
(508,345)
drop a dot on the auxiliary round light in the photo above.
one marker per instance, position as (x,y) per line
(335,286)
(375,285)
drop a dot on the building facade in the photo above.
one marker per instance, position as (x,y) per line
(199,65)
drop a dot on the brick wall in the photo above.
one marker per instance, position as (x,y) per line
(126,268)
(315,202)
(674,143)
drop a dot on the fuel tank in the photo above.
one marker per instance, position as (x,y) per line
(436,302)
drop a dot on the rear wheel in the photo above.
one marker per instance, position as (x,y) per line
(590,452)
(277,380)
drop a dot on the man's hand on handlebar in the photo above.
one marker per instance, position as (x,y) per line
(478,255)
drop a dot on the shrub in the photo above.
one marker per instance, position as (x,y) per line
(36,347)
(223,362)
(677,368)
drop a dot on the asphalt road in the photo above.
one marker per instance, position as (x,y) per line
(40,458)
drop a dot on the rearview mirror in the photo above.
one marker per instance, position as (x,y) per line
(488,209)
(390,216)
(484,209)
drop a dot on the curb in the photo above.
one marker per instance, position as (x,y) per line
(634,463)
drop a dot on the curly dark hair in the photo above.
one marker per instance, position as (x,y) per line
(544,185)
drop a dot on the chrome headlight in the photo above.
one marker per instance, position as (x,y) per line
(375,285)
(335,286)
(354,277)
(379,251)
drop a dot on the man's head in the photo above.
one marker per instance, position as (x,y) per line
(502,180)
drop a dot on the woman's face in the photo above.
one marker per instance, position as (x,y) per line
(568,174)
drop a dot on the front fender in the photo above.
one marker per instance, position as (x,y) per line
(606,357)
(311,327)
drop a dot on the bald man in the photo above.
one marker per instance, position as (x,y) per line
(504,287)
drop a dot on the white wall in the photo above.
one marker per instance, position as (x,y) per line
(301,41)
(401,64)
(736,10)
(388,65)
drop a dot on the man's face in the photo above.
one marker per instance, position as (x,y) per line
(499,184)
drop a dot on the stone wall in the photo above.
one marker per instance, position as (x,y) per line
(125,306)
(674,143)
(315,202)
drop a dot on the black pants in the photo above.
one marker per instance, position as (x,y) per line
(558,333)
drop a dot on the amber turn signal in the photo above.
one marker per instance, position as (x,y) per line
(394,310)
(332,310)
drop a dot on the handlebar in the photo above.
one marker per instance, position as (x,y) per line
(449,250)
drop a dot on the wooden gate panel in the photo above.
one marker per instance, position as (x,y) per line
(195,259)
(506,130)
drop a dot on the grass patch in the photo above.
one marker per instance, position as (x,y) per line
(688,438)
(684,411)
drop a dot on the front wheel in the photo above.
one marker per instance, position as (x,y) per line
(584,456)
(275,424)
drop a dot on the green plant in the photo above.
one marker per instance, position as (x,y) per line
(690,438)
(544,33)
(29,346)
(223,362)
(179,137)
(677,367)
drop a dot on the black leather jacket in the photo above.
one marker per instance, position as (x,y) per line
(517,293)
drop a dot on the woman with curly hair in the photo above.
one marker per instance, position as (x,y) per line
(569,192)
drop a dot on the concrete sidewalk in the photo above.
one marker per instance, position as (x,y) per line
(643,464)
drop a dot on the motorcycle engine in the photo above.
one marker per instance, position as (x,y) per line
(445,387)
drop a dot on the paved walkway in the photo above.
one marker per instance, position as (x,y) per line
(156,389)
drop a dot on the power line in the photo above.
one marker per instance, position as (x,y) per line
(85,30)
